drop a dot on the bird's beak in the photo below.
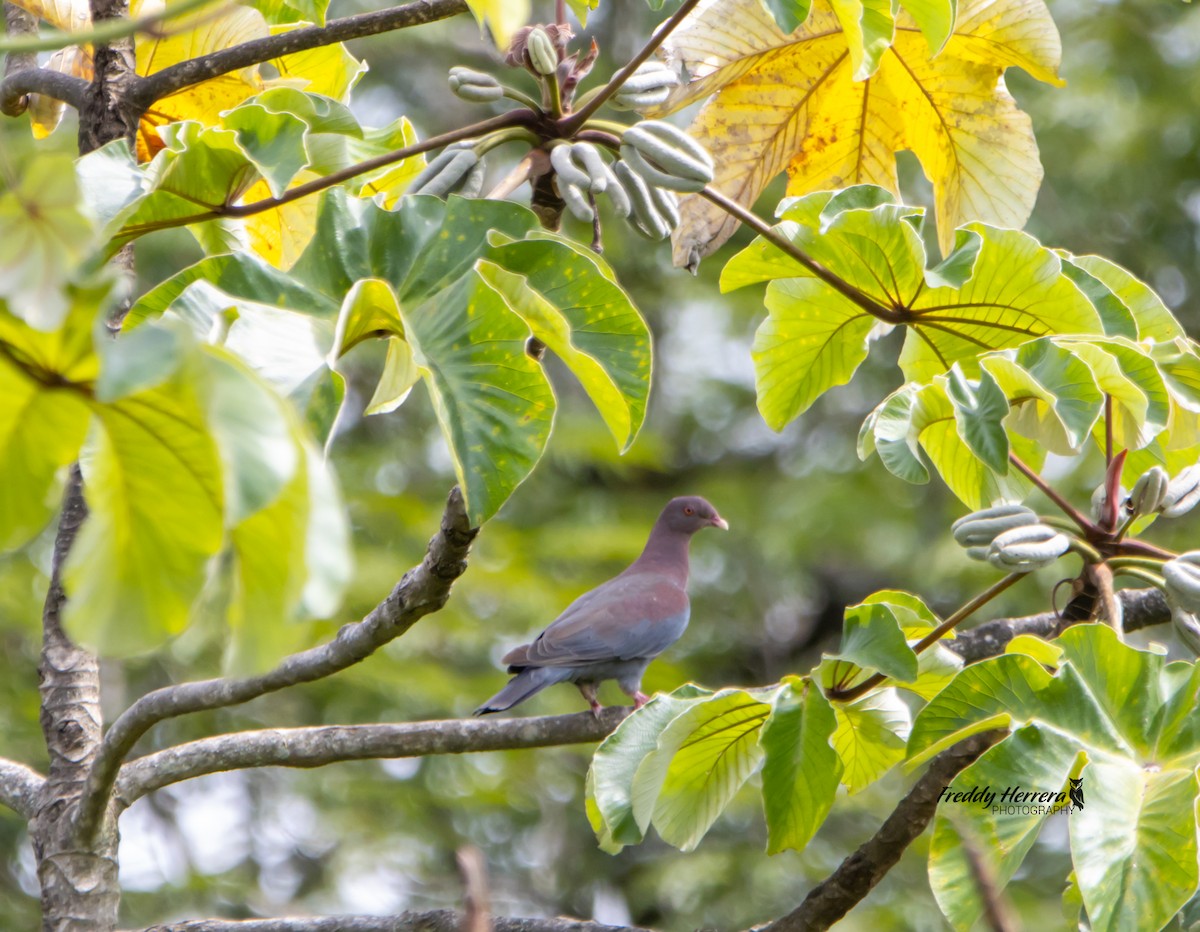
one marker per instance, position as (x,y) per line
(720,522)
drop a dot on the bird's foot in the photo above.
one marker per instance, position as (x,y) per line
(597,708)
(639,700)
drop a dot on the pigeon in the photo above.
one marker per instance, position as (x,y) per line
(614,631)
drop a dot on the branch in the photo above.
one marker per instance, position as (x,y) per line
(15,88)
(105,32)
(20,787)
(327,744)
(175,78)
(835,896)
(577,119)
(1141,608)
(424,589)
(438,920)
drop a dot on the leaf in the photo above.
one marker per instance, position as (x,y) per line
(41,430)
(46,235)
(781,103)
(870,736)
(1152,318)
(1135,855)
(573,303)
(152,479)
(46,112)
(1044,652)
(811,341)
(615,763)
(1033,759)
(871,637)
(702,759)
(801,771)
(788,14)
(500,17)
(979,412)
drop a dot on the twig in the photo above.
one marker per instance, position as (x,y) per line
(477,897)
(422,590)
(326,744)
(967,610)
(836,282)
(1140,608)
(171,80)
(16,88)
(20,787)
(835,896)
(576,120)
(1084,523)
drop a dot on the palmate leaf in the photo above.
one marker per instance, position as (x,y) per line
(456,288)
(1129,715)
(1015,292)
(784,101)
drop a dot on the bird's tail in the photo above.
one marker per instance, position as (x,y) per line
(529,681)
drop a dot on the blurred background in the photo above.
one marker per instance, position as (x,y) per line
(813,529)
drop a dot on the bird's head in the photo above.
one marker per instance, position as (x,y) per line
(690,513)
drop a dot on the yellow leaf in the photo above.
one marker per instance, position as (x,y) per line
(501,17)
(329,70)
(280,235)
(45,112)
(791,101)
(67,15)
(201,102)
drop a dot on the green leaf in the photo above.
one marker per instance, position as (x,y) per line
(1154,321)
(370,309)
(1123,370)
(1017,293)
(1053,393)
(1032,759)
(868,28)
(41,430)
(152,478)
(888,431)
(1135,855)
(979,412)
(702,759)
(46,235)
(615,763)
(1028,645)
(572,302)
(144,358)
(500,17)
(870,736)
(801,771)
(871,637)
(812,340)
(493,402)
(788,14)
(935,19)
(581,8)
(1001,687)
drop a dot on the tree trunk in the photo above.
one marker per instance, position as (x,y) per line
(79,888)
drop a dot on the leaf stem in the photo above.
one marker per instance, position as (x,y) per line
(1080,519)
(1137,573)
(767,232)
(967,610)
(1108,429)
(572,123)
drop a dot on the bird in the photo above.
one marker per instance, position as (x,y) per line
(615,630)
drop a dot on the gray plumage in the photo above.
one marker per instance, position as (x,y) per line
(617,629)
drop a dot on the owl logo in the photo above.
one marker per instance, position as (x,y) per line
(1076,792)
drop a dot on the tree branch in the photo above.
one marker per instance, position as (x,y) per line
(835,896)
(438,920)
(16,88)
(422,590)
(328,744)
(1141,608)
(20,787)
(175,78)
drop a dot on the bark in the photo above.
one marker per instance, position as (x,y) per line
(835,896)
(79,888)
(440,920)
(327,744)
(20,787)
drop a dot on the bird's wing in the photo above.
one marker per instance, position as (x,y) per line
(638,615)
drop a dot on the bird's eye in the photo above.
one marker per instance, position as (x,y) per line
(689,510)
